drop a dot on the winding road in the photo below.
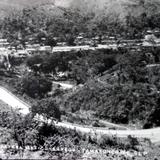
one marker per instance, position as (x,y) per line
(13,101)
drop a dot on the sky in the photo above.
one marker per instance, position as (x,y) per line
(19,3)
(64,3)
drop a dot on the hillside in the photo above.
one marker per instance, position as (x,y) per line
(7,6)
(118,7)
(99,7)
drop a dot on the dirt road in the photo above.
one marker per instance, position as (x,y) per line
(63,85)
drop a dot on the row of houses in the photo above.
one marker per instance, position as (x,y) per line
(83,43)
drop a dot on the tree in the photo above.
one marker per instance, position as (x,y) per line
(48,108)
(19,128)
(50,41)
(70,40)
(41,36)
(153,119)
(133,70)
(34,63)
(35,86)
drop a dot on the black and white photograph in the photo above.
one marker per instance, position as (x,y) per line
(80,79)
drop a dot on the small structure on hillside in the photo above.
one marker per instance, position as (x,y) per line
(149,39)
(21,54)
(4,43)
(4,59)
(44,49)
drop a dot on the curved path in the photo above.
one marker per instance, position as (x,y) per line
(113,125)
(64,85)
(13,101)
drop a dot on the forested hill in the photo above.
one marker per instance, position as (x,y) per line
(99,7)
(124,17)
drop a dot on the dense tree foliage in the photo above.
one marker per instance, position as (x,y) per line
(34,86)
(48,108)
(26,131)
(80,65)
(126,93)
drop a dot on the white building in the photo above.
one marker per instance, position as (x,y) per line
(4,43)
